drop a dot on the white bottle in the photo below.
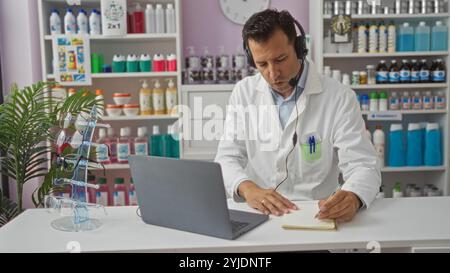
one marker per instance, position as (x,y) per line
(171,98)
(392,36)
(383,38)
(141,142)
(378,142)
(383,104)
(94,23)
(150,19)
(159,105)
(55,22)
(373,38)
(70,26)
(170,19)
(82,22)
(362,38)
(159,19)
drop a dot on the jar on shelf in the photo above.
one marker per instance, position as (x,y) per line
(371,77)
(362,77)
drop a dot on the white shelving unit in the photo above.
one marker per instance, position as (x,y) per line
(348,62)
(119,82)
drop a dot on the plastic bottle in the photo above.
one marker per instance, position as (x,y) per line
(159,63)
(123,145)
(406,101)
(439,37)
(120,192)
(111,141)
(397,191)
(394,72)
(103,195)
(102,149)
(422,37)
(145,99)
(438,71)
(414,153)
(171,98)
(141,142)
(394,102)
(170,19)
(405,38)
(55,22)
(159,105)
(70,25)
(362,38)
(396,146)
(392,37)
(132,197)
(415,72)
(382,74)
(383,38)
(373,38)
(82,22)
(428,102)
(383,102)
(365,102)
(95,23)
(417,101)
(172,62)
(101,100)
(405,72)
(150,20)
(440,101)
(379,143)
(433,145)
(424,74)
(132,63)
(373,107)
(171,143)
(138,19)
(156,142)
(159,19)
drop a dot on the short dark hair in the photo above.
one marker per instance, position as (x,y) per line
(260,26)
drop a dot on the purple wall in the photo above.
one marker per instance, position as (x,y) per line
(205,25)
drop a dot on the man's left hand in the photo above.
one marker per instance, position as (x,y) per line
(342,206)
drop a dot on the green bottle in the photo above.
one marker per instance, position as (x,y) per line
(156,142)
(171,143)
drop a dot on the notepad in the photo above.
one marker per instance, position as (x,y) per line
(304,218)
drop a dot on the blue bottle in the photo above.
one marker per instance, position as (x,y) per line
(439,37)
(396,146)
(433,145)
(156,142)
(422,37)
(405,38)
(414,153)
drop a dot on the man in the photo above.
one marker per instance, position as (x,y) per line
(318,132)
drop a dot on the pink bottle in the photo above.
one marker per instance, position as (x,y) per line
(124,146)
(138,19)
(159,63)
(120,193)
(111,141)
(171,62)
(103,195)
(132,197)
(130,28)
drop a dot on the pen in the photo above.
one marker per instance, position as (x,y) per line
(326,201)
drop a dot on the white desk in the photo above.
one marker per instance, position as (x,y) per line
(394,223)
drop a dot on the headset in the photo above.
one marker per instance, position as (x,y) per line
(302,51)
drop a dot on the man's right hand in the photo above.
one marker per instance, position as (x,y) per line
(267,201)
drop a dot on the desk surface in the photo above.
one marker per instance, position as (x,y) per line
(394,223)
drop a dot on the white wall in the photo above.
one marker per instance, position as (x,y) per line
(20,55)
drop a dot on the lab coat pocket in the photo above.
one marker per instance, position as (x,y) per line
(312,152)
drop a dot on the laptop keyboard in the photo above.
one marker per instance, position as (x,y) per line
(236,225)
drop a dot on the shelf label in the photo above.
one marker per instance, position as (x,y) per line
(392,115)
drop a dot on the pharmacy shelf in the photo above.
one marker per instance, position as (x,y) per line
(128,37)
(207,87)
(413,169)
(395,16)
(409,112)
(388,55)
(131,118)
(400,86)
(128,75)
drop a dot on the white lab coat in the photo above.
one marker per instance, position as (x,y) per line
(326,109)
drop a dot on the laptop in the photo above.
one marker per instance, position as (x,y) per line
(188,195)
